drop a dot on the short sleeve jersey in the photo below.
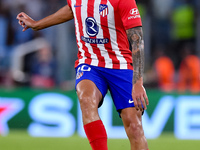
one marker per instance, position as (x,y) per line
(101,31)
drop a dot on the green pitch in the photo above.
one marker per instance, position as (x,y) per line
(20,140)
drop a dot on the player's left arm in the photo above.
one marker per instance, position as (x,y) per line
(135,37)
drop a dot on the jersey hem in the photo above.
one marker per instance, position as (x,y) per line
(125,66)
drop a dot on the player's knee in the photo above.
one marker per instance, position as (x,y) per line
(87,100)
(135,131)
(88,103)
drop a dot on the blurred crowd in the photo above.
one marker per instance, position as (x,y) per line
(171,33)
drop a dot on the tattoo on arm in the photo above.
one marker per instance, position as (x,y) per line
(135,37)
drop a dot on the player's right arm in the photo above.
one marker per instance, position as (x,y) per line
(62,15)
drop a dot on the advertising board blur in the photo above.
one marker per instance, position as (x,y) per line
(57,114)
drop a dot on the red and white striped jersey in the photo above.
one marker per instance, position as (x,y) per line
(101,31)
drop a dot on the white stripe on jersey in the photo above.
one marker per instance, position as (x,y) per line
(104,53)
(114,44)
(84,14)
(73,3)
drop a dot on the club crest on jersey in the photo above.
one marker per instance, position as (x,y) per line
(103,10)
(79,75)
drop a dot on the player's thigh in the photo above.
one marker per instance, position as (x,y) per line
(89,98)
(88,94)
(90,85)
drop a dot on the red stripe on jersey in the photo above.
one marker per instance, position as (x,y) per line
(90,6)
(69,2)
(106,34)
(96,50)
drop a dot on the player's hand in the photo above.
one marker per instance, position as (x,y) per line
(25,21)
(139,96)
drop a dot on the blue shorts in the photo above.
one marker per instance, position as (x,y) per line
(117,81)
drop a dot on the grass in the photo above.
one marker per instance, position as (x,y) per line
(20,140)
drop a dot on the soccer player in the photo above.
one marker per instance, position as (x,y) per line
(104,29)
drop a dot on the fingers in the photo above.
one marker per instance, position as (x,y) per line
(141,102)
(138,103)
(21,15)
(25,28)
(21,23)
(22,19)
(135,103)
(146,99)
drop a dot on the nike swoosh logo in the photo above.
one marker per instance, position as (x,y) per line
(77,5)
(130,101)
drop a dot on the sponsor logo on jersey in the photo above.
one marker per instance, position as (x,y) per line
(134,11)
(95,41)
(92,29)
(103,10)
(134,14)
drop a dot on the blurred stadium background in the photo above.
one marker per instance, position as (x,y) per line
(38,103)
